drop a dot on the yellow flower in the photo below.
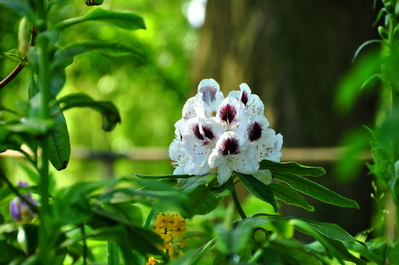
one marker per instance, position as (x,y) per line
(152,261)
(172,229)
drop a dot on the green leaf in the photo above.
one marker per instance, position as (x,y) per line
(258,189)
(136,238)
(21,7)
(289,196)
(162,176)
(64,57)
(127,21)
(335,247)
(295,250)
(58,140)
(374,251)
(108,110)
(8,252)
(330,230)
(393,252)
(202,200)
(349,87)
(193,182)
(291,167)
(316,190)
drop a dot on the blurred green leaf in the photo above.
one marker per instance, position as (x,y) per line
(137,238)
(374,251)
(58,140)
(350,86)
(71,205)
(289,196)
(108,110)
(8,252)
(291,167)
(295,250)
(356,144)
(131,213)
(316,190)
(64,57)
(258,189)
(202,200)
(393,252)
(122,20)
(21,7)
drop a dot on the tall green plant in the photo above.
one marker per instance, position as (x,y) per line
(381,64)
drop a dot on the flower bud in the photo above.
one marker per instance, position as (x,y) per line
(24,36)
(19,209)
(383,33)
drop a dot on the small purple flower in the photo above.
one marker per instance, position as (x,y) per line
(19,209)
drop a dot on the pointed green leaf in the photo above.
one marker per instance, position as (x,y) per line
(258,189)
(108,111)
(162,176)
(58,141)
(289,196)
(330,230)
(127,21)
(335,247)
(316,190)
(291,167)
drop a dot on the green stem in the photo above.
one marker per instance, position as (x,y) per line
(82,230)
(113,254)
(45,218)
(238,205)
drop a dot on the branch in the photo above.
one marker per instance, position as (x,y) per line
(13,74)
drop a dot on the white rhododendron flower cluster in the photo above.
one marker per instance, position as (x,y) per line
(228,134)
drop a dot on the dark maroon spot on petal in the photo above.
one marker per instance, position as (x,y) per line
(230,147)
(197,133)
(208,94)
(208,132)
(254,131)
(228,113)
(244,97)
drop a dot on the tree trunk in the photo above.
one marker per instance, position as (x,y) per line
(293,54)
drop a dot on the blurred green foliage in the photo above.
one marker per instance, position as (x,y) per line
(148,90)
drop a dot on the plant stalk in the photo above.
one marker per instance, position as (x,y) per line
(238,205)
(44,216)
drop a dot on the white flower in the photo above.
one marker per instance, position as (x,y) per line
(251,101)
(208,98)
(228,134)
(199,139)
(233,153)
(265,141)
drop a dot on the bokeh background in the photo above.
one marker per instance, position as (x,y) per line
(293,54)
